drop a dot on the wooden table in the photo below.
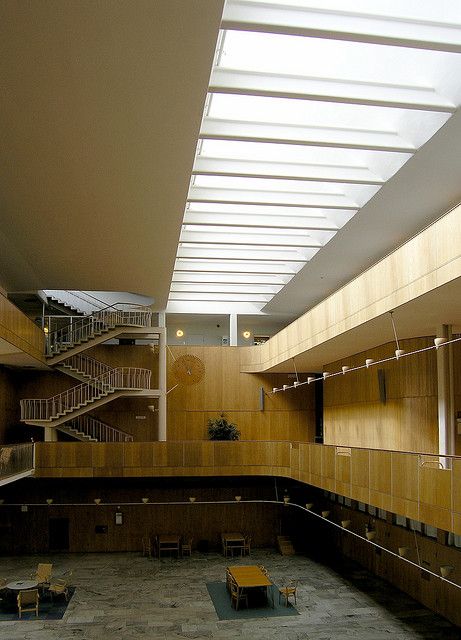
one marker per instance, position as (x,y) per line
(251,577)
(233,541)
(168,542)
(21,585)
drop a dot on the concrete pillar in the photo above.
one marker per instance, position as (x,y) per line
(445,394)
(50,435)
(162,385)
(233,331)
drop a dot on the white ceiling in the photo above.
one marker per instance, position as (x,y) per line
(100,115)
(101,105)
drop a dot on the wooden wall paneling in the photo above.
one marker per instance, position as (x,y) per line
(21,332)
(63,454)
(405,489)
(315,464)
(343,471)
(304,469)
(328,480)
(381,479)
(435,497)
(354,414)
(9,408)
(199,454)
(360,472)
(138,455)
(286,416)
(328,462)
(411,270)
(108,459)
(294,460)
(435,487)
(456,471)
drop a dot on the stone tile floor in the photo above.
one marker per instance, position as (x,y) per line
(123,596)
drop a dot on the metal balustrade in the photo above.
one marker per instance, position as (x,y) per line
(121,378)
(86,366)
(16,458)
(101,431)
(83,328)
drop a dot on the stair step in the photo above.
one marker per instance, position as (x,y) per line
(285,545)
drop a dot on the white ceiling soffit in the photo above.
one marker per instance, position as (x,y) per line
(312,108)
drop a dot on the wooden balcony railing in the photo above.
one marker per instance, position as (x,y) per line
(423,487)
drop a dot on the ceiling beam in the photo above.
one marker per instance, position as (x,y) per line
(341,25)
(375,94)
(284,170)
(282,198)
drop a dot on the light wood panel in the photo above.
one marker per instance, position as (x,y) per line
(395,482)
(17,329)
(429,260)
(286,416)
(9,407)
(354,415)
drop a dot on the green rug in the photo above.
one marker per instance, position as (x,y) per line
(258,606)
(48,609)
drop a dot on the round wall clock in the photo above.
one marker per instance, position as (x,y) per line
(188,369)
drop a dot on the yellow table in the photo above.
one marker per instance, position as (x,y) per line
(231,542)
(168,542)
(250,577)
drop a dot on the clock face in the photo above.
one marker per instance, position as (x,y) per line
(188,369)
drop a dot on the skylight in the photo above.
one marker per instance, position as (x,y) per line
(311,108)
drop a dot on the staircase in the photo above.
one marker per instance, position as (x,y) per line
(83,367)
(84,331)
(100,383)
(285,546)
(90,429)
(89,395)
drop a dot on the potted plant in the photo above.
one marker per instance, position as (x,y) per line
(221,429)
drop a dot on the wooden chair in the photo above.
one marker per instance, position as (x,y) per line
(146,546)
(59,587)
(289,591)
(43,575)
(237,595)
(245,551)
(186,547)
(28,601)
(229,579)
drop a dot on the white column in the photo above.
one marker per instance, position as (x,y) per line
(162,385)
(50,435)
(445,394)
(233,335)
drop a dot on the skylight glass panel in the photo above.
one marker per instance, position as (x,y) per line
(384,164)
(352,61)
(312,107)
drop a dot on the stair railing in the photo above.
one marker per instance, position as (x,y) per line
(121,378)
(16,458)
(83,328)
(86,365)
(99,430)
